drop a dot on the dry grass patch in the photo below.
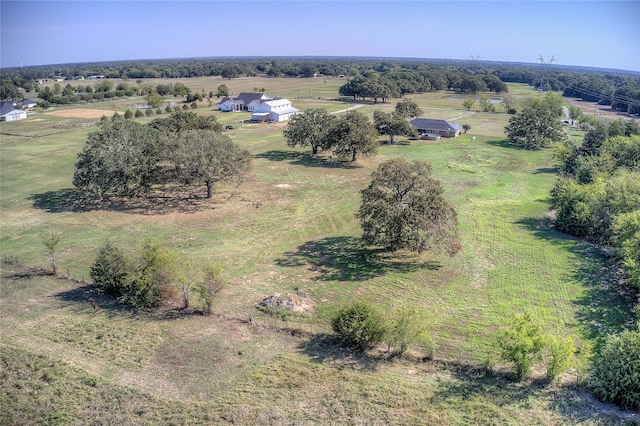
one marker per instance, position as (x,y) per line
(80,113)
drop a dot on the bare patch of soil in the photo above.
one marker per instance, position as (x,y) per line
(81,113)
(599,111)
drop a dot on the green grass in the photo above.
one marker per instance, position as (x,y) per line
(292,227)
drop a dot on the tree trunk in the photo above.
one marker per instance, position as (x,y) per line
(314,149)
(209,187)
(353,156)
(391,138)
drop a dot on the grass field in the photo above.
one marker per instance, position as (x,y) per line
(292,227)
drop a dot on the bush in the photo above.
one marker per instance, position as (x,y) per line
(138,113)
(109,271)
(562,351)
(616,375)
(520,342)
(358,326)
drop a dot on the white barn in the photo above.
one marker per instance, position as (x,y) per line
(275,110)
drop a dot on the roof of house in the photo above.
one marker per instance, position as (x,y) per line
(277,102)
(6,107)
(247,97)
(26,102)
(433,124)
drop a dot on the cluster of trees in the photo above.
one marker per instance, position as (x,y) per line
(152,275)
(375,85)
(351,134)
(598,193)
(125,158)
(346,136)
(104,89)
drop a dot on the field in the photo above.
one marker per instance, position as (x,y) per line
(292,228)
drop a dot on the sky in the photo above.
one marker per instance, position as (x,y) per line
(602,34)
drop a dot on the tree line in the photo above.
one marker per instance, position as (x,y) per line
(619,89)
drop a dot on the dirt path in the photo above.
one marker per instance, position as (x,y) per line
(356,106)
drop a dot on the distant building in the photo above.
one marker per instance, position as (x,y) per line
(26,104)
(437,127)
(8,112)
(262,107)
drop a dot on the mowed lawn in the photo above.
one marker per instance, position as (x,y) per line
(292,227)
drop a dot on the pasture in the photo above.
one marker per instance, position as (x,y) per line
(292,228)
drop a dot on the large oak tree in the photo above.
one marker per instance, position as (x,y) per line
(404,208)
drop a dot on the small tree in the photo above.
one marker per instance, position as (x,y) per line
(520,342)
(407,328)
(109,271)
(468,103)
(561,354)
(139,113)
(466,128)
(407,108)
(155,100)
(150,277)
(222,90)
(51,239)
(359,325)
(210,286)
(392,124)
(128,114)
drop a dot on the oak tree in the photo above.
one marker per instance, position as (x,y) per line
(404,208)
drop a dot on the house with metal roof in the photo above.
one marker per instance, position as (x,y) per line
(26,103)
(438,127)
(8,112)
(245,101)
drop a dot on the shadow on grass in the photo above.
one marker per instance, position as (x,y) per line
(348,259)
(181,200)
(306,159)
(90,297)
(504,143)
(607,304)
(548,170)
(323,348)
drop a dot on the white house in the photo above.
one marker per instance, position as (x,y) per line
(245,101)
(9,113)
(275,110)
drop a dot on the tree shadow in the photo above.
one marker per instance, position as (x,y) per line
(307,159)
(348,259)
(547,170)
(504,143)
(323,348)
(606,306)
(90,297)
(180,199)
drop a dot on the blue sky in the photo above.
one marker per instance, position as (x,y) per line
(585,33)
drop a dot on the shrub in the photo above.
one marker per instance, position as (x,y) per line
(616,374)
(109,271)
(358,325)
(520,342)
(210,285)
(138,113)
(562,351)
(407,328)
